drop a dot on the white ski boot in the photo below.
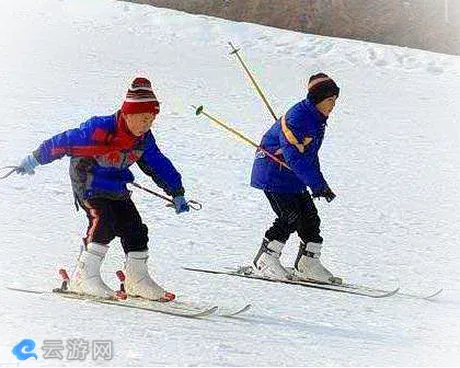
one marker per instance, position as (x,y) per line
(267,262)
(88,279)
(309,267)
(138,281)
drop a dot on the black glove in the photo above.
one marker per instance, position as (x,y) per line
(326,193)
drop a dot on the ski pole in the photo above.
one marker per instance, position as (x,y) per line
(235,52)
(192,204)
(200,110)
(13,169)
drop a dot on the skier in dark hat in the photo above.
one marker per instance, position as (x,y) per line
(296,138)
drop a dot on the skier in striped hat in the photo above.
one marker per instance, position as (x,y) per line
(102,149)
(296,139)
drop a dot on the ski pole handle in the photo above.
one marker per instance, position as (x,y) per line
(246,69)
(194,205)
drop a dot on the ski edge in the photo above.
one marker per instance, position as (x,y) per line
(160,308)
(338,288)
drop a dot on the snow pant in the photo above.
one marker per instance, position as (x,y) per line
(109,218)
(296,212)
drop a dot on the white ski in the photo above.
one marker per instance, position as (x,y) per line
(247,272)
(174,308)
(221,311)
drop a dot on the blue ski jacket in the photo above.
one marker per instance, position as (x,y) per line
(102,149)
(295,138)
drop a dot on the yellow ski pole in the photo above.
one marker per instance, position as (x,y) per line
(200,111)
(264,99)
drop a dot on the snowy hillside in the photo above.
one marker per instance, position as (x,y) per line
(391,154)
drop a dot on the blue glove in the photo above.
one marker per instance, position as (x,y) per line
(28,165)
(180,204)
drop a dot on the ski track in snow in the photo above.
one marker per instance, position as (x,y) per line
(391,153)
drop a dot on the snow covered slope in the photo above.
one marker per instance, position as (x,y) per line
(391,154)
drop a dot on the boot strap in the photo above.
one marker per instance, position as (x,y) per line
(138,257)
(279,247)
(310,254)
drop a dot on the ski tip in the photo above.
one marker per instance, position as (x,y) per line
(431,296)
(237,313)
(246,308)
(390,293)
(210,311)
(202,314)
(198,110)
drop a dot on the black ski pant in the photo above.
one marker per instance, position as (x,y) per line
(296,212)
(109,218)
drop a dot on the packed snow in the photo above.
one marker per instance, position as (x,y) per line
(391,154)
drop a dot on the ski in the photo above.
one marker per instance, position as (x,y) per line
(428,296)
(174,308)
(425,297)
(400,293)
(237,312)
(247,272)
(224,311)
(221,311)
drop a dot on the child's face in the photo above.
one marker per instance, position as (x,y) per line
(326,106)
(139,124)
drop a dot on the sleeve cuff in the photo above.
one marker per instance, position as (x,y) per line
(178,192)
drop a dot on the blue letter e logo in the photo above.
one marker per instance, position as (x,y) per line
(24,350)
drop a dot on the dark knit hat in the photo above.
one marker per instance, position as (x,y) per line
(140,98)
(320,87)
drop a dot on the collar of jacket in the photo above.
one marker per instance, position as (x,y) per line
(312,107)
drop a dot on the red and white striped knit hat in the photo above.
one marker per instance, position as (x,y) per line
(140,98)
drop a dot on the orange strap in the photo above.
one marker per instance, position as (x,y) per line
(291,137)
